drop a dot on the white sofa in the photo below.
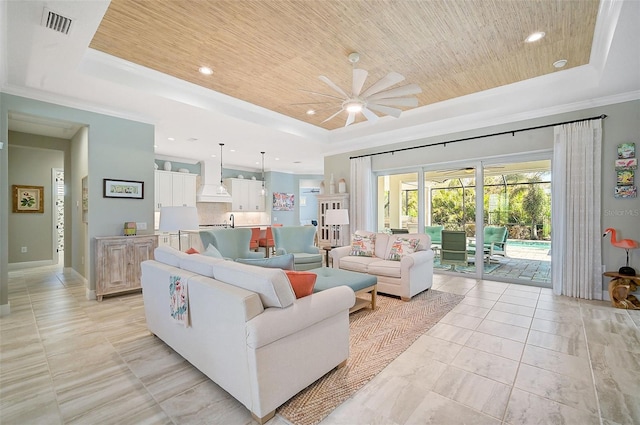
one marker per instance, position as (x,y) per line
(405,278)
(248,332)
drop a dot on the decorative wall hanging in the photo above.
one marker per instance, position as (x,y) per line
(625,166)
(85,199)
(123,189)
(28,199)
(283,201)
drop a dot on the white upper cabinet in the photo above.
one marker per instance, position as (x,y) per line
(174,189)
(246,195)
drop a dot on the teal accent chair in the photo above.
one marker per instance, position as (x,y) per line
(495,242)
(435,233)
(232,243)
(299,241)
(495,239)
(454,248)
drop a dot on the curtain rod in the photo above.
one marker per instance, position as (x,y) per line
(512,132)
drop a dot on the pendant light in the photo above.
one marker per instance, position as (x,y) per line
(264,188)
(222,190)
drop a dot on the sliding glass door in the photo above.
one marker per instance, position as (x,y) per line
(501,222)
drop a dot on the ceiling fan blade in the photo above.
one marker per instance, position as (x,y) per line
(322,94)
(332,116)
(370,116)
(351,118)
(359,76)
(394,112)
(333,86)
(385,82)
(398,91)
(398,101)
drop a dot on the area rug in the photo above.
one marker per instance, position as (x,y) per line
(376,338)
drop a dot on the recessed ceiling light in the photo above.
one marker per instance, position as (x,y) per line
(534,37)
(155,146)
(311,112)
(171,139)
(560,63)
(205,70)
(232,150)
(277,159)
(213,156)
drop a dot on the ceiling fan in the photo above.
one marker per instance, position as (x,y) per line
(375,98)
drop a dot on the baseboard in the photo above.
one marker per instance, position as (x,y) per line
(29,264)
(91,294)
(5,309)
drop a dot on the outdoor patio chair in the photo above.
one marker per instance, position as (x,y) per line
(454,249)
(495,242)
(435,233)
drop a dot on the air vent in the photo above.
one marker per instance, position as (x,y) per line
(56,22)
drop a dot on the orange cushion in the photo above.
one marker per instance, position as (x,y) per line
(301,282)
(192,251)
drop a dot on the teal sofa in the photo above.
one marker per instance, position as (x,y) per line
(232,243)
(299,241)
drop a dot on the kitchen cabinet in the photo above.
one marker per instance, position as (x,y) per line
(326,235)
(174,189)
(118,260)
(246,195)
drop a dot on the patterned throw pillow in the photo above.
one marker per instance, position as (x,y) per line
(402,247)
(362,245)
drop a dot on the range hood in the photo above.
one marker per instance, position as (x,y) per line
(210,181)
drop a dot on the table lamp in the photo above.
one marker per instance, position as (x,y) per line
(335,218)
(175,219)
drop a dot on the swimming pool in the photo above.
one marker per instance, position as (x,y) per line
(529,244)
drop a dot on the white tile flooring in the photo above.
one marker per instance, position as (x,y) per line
(507,354)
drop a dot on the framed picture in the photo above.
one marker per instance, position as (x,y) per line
(627,164)
(85,199)
(283,201)
(626,150)
(624,177)
(123,189)
(625,192)
(28,199)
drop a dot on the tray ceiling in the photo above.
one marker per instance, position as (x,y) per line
(265,52)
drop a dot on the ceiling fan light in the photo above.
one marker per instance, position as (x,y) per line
(353,107)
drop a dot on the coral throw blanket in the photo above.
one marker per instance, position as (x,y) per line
(179,300)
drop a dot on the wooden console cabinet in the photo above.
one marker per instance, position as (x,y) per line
(118,261)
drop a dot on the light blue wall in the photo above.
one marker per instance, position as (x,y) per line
(287,183)
(117,149)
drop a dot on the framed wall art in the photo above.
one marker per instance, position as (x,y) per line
(85,199)
(283,201)
(123,189)
(28,199)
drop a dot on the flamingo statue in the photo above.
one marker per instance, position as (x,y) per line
(625,244)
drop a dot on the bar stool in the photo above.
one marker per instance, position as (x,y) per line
(255,238)
(266,241)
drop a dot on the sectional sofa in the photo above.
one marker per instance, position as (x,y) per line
(243,327)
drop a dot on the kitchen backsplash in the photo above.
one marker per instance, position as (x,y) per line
(217,213)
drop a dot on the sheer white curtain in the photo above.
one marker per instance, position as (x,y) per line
(361,216)
(576,256)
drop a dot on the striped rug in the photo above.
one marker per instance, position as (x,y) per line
(377,337)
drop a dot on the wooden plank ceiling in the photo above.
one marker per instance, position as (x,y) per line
(264,52)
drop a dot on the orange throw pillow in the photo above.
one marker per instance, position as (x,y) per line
(301,282)
(192,251)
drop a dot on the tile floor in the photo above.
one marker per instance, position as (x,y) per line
(508,354)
